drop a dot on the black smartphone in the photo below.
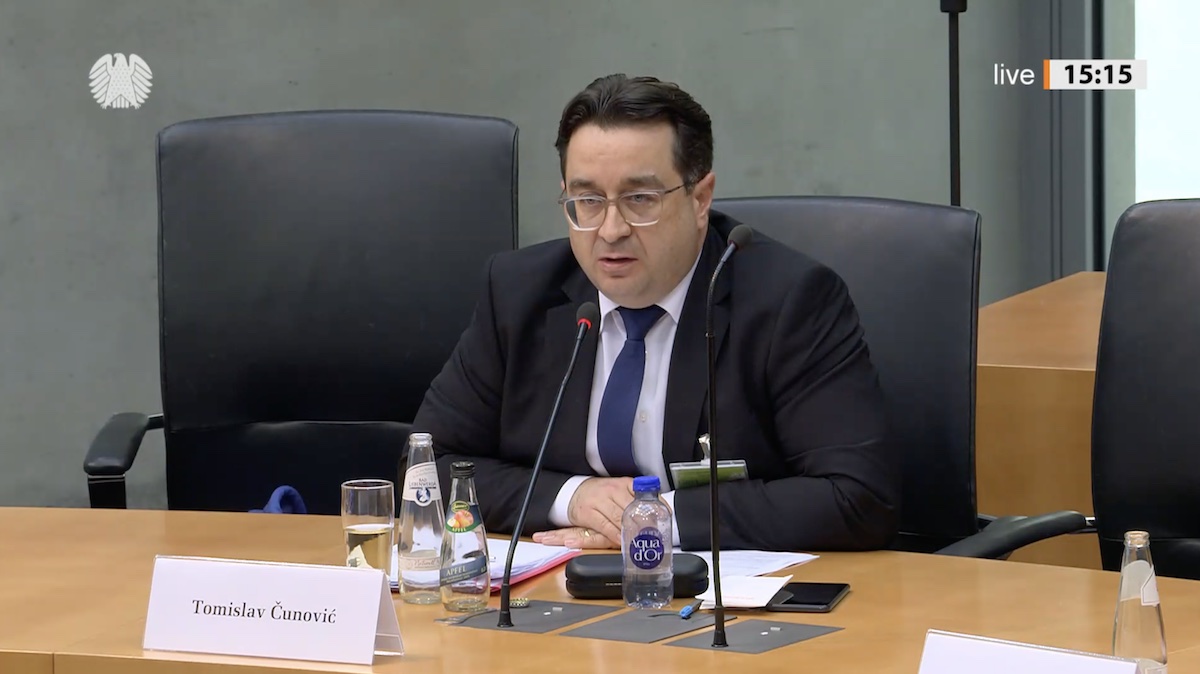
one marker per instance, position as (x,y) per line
(808,597)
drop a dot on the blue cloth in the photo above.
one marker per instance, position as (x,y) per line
(286,500)
(614,426)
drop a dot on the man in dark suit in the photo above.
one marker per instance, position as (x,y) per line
(799,399)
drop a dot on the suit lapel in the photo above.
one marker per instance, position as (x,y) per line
(687,381)
(570,430)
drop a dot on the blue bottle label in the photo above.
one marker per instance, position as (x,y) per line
(646,549)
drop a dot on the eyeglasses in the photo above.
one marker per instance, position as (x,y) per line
(639,209)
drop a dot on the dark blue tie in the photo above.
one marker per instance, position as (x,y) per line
(614,427)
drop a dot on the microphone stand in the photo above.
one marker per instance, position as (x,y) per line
(505,584)
(954,8)
(715,531)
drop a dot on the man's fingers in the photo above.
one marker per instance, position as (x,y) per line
(614,510)
(598,521)
(598,505)
(586,538)
(574,537)
(608,529)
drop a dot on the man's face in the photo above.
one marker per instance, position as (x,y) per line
(635,266)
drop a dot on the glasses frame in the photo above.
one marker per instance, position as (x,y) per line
(565,202)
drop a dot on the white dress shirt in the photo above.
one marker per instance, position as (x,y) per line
(648,419)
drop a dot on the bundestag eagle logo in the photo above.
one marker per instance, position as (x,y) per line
(120,83)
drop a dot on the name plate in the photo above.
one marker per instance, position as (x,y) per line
(950,653)
(265,609)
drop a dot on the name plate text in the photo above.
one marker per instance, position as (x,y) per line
(265,609)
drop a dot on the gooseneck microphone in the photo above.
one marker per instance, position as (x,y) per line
(587,316)
(738,239)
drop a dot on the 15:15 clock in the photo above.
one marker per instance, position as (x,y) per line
(1084,73)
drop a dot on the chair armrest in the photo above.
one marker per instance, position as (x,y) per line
(1007,534)
(111,455)
(116,445)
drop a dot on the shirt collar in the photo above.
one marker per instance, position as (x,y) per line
(672,303)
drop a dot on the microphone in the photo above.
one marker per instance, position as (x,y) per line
(587,316)
(738,238)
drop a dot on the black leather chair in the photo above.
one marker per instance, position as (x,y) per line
(1145,433)
(913,271)
(315,272)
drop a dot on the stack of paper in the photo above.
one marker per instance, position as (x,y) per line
(752,562)
(530,560)
(744,591)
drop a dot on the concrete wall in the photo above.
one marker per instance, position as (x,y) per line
(808,96)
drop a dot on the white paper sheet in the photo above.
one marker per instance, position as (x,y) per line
(752,562)
(744,591)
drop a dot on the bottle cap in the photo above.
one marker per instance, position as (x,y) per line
(646,483)
(462,469)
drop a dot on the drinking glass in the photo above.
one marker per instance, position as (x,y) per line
(369,523)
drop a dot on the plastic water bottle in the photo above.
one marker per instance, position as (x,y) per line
(648,579)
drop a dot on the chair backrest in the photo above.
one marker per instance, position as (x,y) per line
(316,269)
(1145,433)
(913,272)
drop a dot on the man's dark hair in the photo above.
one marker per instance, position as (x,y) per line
(616,101)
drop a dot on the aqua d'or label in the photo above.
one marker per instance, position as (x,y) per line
(646,548)
(421,484)
(472,567)
(463,517)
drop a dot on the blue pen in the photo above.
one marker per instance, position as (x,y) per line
(687,611)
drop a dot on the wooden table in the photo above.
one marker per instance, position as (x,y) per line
(76,584)
(1036,371)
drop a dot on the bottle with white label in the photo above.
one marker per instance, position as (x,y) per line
(422,520)
(648,580)
(1138,624)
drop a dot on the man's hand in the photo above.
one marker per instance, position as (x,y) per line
(599,503)
(575,537)
(596,506)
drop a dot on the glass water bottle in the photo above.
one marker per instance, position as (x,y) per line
(466,571)
(1138,624)
(419,544)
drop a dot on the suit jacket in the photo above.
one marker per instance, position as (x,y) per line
(798,398)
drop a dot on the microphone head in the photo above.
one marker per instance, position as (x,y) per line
(741,235)
(588,313)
